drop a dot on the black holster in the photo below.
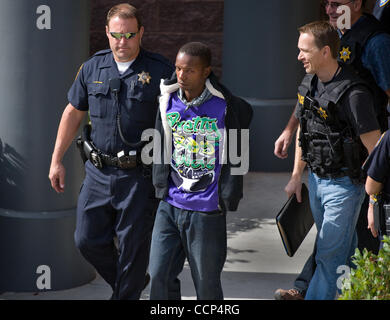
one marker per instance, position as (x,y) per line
(384,219)
(99,159)
(82,142)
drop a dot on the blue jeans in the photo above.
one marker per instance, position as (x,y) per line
(365,240)
(302,282)
(199,237)
(335,204)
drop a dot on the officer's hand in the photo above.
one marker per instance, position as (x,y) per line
(294,186)
(57,177)
(282,144)
(370,218)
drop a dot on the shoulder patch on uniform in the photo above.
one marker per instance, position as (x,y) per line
(99,53)
(78,72)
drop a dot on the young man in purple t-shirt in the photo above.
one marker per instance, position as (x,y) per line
(195,186)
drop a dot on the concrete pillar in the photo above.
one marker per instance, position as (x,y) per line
(260,64)
(42,45)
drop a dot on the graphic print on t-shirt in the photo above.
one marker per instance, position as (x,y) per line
(195,151)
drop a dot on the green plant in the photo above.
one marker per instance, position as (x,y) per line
(370,280)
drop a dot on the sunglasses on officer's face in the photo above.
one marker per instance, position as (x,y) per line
(128,35)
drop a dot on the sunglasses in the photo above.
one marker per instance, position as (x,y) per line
(334,5)
(128,35)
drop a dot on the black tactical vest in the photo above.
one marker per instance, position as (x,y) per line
(329,146)
(351,49)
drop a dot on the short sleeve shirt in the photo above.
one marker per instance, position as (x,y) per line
(355,107)
(377,164)
(138,97)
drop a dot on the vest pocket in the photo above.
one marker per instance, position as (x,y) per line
(325,155)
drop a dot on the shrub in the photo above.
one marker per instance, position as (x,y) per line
(370,280)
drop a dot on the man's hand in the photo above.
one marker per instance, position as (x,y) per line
(370,218)
(57,177)
(284,141)
(294,186)
(282,144)
(69,124)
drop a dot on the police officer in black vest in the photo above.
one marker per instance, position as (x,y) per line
(120,88)
(364,47)
(337,128)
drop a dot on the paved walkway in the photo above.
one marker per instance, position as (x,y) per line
(256,263)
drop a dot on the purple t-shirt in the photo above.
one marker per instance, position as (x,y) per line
(197,142)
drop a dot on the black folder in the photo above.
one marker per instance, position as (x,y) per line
(294,221)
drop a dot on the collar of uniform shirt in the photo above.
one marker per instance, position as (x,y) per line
(123,66)
(205,96)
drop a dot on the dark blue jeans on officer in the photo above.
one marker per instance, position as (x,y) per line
(115,202)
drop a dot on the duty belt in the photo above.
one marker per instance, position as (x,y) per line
(122,161)
(330,175)
(99,158)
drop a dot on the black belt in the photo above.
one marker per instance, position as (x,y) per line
(122,161)
(330,175)
(99,158)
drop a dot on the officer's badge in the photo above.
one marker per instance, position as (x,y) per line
(322,113)
(383,2)
(144,77)
(301,99)
(345,54)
